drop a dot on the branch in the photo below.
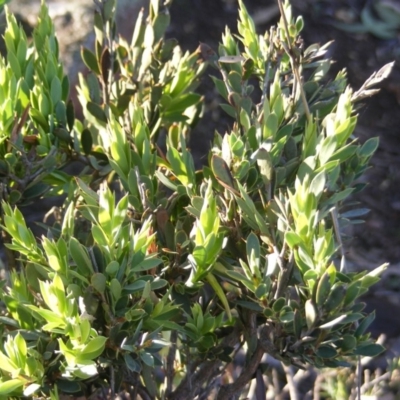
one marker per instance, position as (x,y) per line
(294,394)
(191,384)
(193,381)
(227,391)
(264,345)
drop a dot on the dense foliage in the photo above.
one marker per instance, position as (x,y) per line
(156,276)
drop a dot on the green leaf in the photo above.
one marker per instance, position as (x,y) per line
(7,364)
(327,149)
(334,322)
(147,358)
(93,349)
(220,293)
(112,268)
(158,284)
(199,255)
(364,324)
(271,126)
(229,110)
(55,90)
(253,246)
(335,298)
(14,196)
(90,60)
(264,162)
(311,313)
(68,386)
(146,264)
(132,364)
(340,196)
(222,173)
(286,317)
(221,87)
(14,63)
(136,286)
(10,386)
(9,322)
(278,304)
(86,141)
(347,343)
(115,288)
(355,316)
(105,64)
(38,117)
(317,185)
(178,166)
(326,352)
(368,350)
(237,276)
(183,102)
(96,111)
(359,212)
(98,281)
(70,115)
(247,205)
(235,80)
(297,323)
(344,153)
(250,305)
(80,256)
(50,316)
(292,239)
(65,88)
(99,235)
(323,289)
(352,292)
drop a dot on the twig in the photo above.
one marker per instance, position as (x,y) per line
(317,387)
(135,392)
(93,260)
(275,382)
(294,394)
(359,377)
(169,374)
(211,385)
(143,393)
(261,390)
(190,385)
(264,345)
(227,391)
(371,383)
(112,381)
(194,380)
(289,50)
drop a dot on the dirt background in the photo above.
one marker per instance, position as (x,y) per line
(195,21)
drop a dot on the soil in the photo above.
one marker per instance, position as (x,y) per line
(194,21)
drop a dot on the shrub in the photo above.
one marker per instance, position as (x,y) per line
(156,276)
